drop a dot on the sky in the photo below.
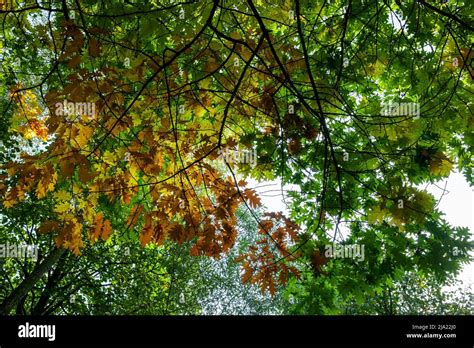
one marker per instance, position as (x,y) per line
(457,203)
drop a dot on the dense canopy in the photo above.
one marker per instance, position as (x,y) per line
(146,122)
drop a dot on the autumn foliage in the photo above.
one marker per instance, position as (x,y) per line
(128,123)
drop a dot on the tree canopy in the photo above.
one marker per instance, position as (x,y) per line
(119,118)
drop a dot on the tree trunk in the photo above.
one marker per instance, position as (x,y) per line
(27,284)
(48,289)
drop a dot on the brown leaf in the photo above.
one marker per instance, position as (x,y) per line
(75,61)
(134,216)
(176,232)
(85,175)
(67,167)
(283,275)
(194,251)
(254,200)
(317,261)
(48,226)
(94,48)
(247,275)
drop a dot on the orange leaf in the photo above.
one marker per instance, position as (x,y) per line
(95,231)
(107,230)
(247,275)
(194,251)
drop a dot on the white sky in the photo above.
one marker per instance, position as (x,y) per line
(457,204)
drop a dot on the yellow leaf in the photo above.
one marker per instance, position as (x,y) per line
(440,165)
(424,201)
(199,110)
(62,195)
(12,197)
(47,182)
(62,207)
(9,203)
(109,157)
(376,215)
(136,119)
(82,204)
(376,69)
(84,135)
(41,190)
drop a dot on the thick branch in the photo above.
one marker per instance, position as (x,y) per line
(28,283)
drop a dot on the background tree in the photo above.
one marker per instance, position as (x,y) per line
(414,295)
(122,277)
